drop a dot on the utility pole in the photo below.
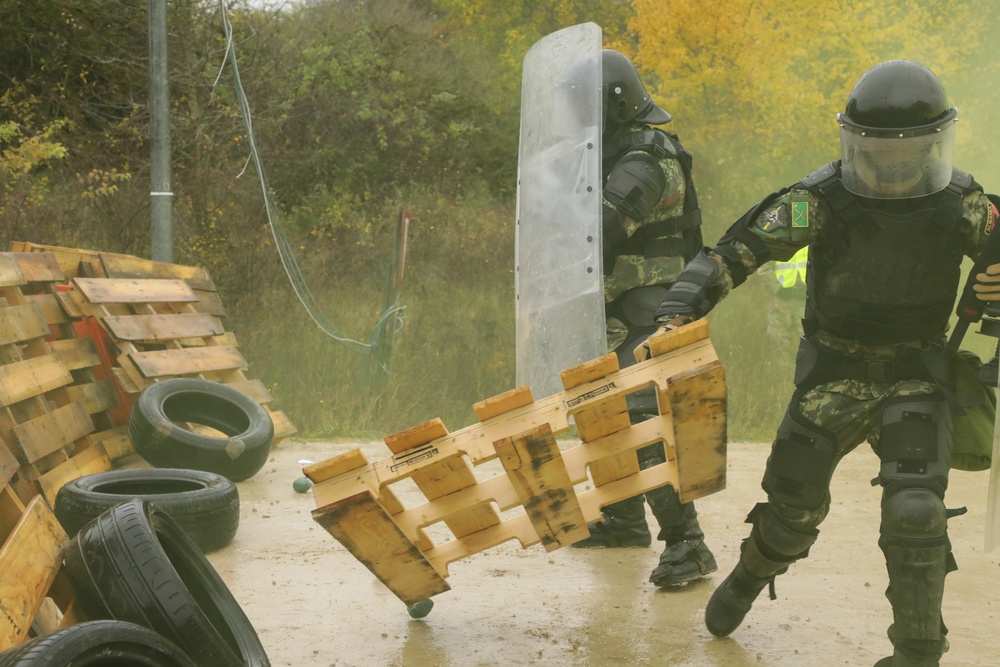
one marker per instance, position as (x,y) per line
(161,194)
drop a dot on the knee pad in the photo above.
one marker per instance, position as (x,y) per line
(913,516)
(801,463)
(915,444)
(777,538)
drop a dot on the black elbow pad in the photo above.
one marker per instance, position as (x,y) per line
(693,293)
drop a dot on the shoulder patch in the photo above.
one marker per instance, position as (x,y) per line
(800,211)
(772,218)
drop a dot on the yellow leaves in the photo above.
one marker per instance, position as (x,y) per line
(22,152)
(102,182)
(752,81)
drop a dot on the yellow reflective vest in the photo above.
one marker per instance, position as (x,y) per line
(794,270)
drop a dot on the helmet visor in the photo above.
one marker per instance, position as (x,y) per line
(886,165)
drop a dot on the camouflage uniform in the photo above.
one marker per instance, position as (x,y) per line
(834,411)
(638,273)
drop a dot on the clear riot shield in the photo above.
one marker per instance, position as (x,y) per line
(558,276)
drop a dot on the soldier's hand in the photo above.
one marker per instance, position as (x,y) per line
(987,285)
(642,352)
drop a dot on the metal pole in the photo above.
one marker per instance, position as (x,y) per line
(161,195)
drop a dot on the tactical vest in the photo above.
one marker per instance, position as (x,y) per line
(884,271)
(651,239)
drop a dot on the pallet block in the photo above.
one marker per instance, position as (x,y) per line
(36,597)
(538,498)
(163,320)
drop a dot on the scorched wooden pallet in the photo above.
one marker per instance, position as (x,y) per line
(547,495)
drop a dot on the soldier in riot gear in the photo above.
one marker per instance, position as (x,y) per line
(651,226)
(887,226)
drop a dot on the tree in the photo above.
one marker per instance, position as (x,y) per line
(756,83)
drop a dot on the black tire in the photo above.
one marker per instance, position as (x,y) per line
(205,504)
(135,564)
(157,435)
(96,643)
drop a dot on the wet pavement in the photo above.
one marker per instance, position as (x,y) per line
(313,604)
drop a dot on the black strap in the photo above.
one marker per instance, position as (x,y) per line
(671,247)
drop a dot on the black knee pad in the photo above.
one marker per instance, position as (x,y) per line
(915,444)
(913,516)
(801,463)
(778,539)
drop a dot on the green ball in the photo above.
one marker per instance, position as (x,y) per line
(420,609)
(302,484)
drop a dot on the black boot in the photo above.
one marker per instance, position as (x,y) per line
(732,600)
(623,525)
(760,562)
(686,556)
(915,653)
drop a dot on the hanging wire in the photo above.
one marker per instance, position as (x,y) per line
(285,252)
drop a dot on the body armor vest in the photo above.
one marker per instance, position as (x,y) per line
(648,239)
(884,271)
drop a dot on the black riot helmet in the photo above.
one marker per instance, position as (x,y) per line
(897,133)
(625,97)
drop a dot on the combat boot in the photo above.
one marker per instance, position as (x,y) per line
(686,556)
(731,601)
(623,524)
(771,547)
(915,653)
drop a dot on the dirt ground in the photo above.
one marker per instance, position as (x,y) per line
(313,604)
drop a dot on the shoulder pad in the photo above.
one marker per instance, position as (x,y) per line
(961,178)
(820,175)
(652,140)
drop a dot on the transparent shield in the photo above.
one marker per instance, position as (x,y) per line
(558,278)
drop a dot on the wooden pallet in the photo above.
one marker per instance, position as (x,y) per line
(36,596)
(163,320)
(53,411)
(356,504)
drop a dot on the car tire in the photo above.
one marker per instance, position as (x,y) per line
(158,435)
(134,563)
(98,643)
(205,504)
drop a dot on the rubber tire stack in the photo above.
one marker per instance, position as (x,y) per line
(134,563)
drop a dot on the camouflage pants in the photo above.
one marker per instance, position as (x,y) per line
(850,410)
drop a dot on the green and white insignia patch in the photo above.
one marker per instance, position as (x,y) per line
(800,214)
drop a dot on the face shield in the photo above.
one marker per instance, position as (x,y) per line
(897,163)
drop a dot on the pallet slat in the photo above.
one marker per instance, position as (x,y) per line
(29,559)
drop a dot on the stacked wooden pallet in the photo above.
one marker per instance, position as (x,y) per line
(53,411)
(162,320)
(356,504)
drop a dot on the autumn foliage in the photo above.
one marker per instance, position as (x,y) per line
(362,107)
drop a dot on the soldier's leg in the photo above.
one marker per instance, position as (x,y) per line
(685,556)
(623,524)
(797,481)
(914,446)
